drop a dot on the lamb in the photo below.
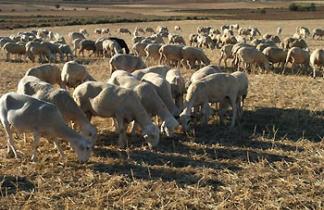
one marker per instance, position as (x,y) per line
(177,83)
(111,48)
(124,105)
(14,48)
(162,70)
(67,51)
(26,113)
(250,55)
(211,89)
(74,74)
(170,53)
(152,52)
(163,88)
(126,62)
(124,31)
(149,98)
(317,59)
(296,56)
(49,73)
(192,55)
(276,55)
(318,32)
(70,111)
(87,44)
(35,48)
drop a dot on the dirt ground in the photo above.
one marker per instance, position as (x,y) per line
(273,160)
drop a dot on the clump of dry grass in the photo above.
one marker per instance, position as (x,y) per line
(273,160)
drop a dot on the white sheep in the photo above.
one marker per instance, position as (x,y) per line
(29,114)
(171,54)
(160,69)
(74,74)
(297,56)
(177,83)
(215,88)
(152,52)
(249,56)
(193,55)
(317,59)
(18,49)
(33,86)
(163,88)
(34,48)
(276,55)
(125,106)
(50,73)
(111,48)
(226,53)
(150,99)
(125,62)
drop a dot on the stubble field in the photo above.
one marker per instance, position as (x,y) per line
(273,160)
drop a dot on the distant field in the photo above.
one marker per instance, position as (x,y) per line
(21,15)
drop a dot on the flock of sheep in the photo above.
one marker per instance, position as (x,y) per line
(135,93)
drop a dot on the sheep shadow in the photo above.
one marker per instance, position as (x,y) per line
(12,184)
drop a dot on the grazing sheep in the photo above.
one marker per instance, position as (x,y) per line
(293,42)
(67,51)
(139,49)
(163,88)
(125,106)
(76,35)
(276,55)
(297,56)
(55,50)
(203,40)
(215,88)
(152,52)
(5,40)
(124,31)
(149,30)
(87,44)
(74,74)
(226,53)
(250,55)
(193,55)
(70,111)
(176,39)
(177,28)
(177,84)
(35,48)
(29,114)
(203,72)
(97,31)
(162,70)
(318,32)
(14,48)
(121,43)
(49,73)
(193,40)
(111,48)
(86,91)
(317,59)
(150,99)
(84,32)
(126,62)
(171,54)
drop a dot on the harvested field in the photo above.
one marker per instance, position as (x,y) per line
(273,160)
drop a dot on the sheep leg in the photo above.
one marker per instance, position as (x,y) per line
(122,139)
(206,111)
(10,143)
(35,146)
(234,109)
(59,148)
(8,57)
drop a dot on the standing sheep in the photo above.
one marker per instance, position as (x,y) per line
(49,73)
(74,74)
(297,56)
(193,55)
(126,62)
(317,59)
(249,56)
